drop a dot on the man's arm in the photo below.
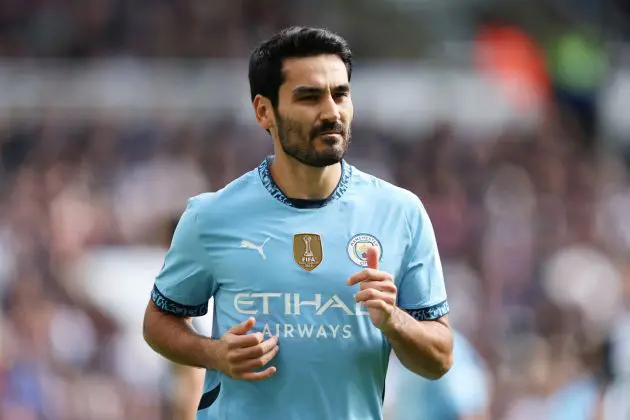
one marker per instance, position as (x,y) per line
(421,339)
(174,338)
(412,315)
(236,354)
(423,347)
(418,329)
(183,289)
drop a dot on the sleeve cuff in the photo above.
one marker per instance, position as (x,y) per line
(167,305)
(431,313)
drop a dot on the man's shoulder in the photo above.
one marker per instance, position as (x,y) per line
(229,198)
(374,188)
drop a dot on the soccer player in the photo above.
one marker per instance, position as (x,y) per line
(317,269)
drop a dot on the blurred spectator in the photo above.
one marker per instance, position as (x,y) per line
(519,224)
(532,222)
(462,394)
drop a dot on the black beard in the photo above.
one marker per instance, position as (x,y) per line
(293,143)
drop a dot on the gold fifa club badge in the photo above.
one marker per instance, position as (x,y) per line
(307,250)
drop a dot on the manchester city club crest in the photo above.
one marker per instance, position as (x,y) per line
(358,246)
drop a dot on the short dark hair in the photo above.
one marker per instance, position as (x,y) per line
(265,63)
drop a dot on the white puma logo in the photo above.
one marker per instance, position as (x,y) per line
(259,248)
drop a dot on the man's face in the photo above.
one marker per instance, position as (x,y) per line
(314,110)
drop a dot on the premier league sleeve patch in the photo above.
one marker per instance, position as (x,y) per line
(358,246)
(431,313)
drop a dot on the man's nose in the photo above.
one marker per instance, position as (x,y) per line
(330,110)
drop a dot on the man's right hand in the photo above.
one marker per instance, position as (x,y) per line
(242,353)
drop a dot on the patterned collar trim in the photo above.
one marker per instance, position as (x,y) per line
(276,192)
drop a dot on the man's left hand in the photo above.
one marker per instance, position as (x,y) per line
(378,291)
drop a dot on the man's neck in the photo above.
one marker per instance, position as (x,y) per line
(300,181)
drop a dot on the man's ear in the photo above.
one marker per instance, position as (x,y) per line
(264,112)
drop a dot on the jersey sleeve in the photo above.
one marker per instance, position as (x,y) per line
(185,283)
(421,291)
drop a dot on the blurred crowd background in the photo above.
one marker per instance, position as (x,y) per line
(507,118)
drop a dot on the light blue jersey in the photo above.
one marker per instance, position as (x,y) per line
(286,263)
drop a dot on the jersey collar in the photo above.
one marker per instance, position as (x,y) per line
(276,192)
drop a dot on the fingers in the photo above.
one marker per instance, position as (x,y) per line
(372,272)
(243,327)
(383,286)
(372,258)
(248,365)
(244,341)
(379,304)
(369,274)
(254,351)
(247,352)
(372,294)
(259,376)
(242,361)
